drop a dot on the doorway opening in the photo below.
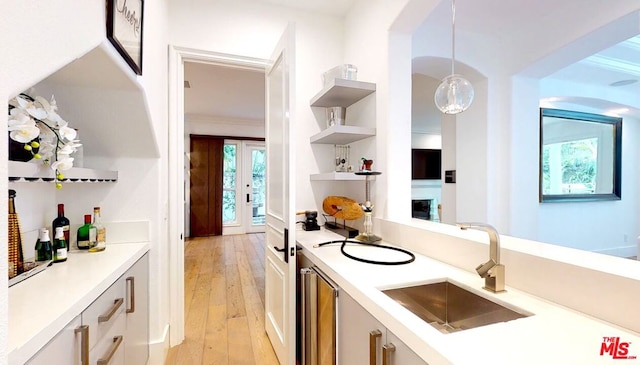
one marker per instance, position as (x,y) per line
(177,169)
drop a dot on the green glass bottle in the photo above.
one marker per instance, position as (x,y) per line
(59,246)
(43,246)
(85,240)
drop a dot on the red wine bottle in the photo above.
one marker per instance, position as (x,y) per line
(63,222)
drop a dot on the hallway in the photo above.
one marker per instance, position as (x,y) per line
(224,303)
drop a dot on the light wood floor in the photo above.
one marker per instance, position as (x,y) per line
(224,303)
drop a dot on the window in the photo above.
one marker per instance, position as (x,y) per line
(229,182)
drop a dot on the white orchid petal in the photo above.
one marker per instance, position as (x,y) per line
(53,103)
(22,102)
(63,164)
(20,119)
(45,104)
(68,133)
(24,134)
(65,150)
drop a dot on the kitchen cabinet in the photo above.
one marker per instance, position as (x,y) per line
(136,349)
(361,336)
(64,348)
(116,325)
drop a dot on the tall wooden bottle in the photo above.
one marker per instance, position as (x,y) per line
(15,240)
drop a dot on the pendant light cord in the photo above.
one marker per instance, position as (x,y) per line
(453,35)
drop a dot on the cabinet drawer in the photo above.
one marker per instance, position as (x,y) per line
(101,315)
(110,348)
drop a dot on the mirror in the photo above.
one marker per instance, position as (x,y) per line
(580,156)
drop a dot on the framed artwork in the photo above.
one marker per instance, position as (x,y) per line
(124,30)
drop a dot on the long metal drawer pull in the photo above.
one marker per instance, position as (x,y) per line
(373,346)
(107,316)
(132,281)
(84,343)
(387,350)
(117,340)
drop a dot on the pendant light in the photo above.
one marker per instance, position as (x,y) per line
(455,93)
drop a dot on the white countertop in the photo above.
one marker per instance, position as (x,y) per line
(552,335)
(42,305)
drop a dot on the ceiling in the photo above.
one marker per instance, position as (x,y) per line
(227,93)
(223,93)
(331,7)
(617,66)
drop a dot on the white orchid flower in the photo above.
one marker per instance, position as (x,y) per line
(74,145)
(34,109)
(19,117)
(67,133)
(63,164)
(46,149)
(51,108)
(23,133)
(66,150)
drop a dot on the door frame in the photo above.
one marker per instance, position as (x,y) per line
(175,171)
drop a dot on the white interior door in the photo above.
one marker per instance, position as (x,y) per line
(280,257)
(255,188)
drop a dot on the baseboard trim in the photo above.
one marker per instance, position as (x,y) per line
(159,349)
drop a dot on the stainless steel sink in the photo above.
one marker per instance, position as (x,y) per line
(450,308)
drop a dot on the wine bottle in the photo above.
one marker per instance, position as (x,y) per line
(63,222)
(59,246)
(101,232)
(86,235)
(43,246)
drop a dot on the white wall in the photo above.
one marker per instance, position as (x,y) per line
(45,36)
(252,30)
(496,155)
(604,226)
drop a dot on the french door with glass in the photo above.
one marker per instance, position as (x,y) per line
(244,184)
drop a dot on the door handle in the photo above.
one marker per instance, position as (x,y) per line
(286,246)
(117,340)
(132,298)
(107,316)
(84,343)
(248,198)
(373,346)
(387,350)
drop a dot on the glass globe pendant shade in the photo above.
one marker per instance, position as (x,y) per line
(454,95)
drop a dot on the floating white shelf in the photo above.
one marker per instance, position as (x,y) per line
(341,92)
(339,176)
(27,171)
(342,134)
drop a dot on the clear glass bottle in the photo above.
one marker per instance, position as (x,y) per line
(86,235)
(43,247)
(62,221)
(60,246)
(101,232)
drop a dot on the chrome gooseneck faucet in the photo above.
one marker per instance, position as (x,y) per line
(492,271)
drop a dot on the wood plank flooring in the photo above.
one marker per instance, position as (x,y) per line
(224,303)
